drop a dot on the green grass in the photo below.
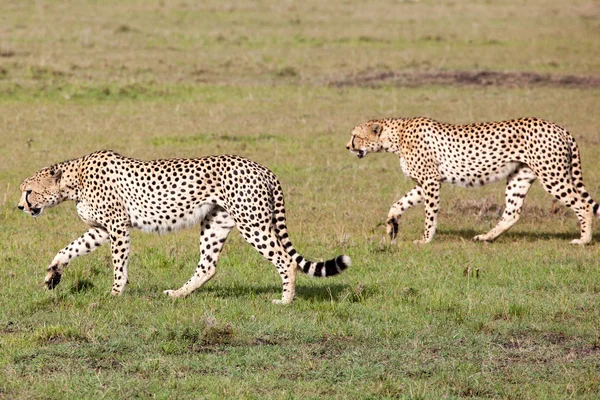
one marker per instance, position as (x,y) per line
(518,318)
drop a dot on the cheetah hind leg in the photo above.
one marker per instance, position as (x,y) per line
(585,215)
(214,231)
(563,189)
(518,184)
(267,243)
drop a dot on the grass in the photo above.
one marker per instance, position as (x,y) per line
(518,318)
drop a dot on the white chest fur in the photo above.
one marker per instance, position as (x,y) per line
(84,212)
(403,166)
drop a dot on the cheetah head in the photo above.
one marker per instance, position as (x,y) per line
(369,137)
(40,190)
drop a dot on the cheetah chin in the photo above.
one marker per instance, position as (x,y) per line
(360,153)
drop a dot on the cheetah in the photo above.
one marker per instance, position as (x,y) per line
(114,194)
(521,150)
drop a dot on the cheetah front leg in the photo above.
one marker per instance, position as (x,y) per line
(412,198)
(119,245)
(518,184)
(431,198)
(85,244)
(214,231)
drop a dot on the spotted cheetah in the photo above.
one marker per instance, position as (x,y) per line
(521,150)
(114,194)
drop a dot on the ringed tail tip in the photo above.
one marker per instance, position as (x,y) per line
(336,266)
(344,261)
(324,268)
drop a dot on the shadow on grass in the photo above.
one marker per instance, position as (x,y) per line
(315,293)
(529,236)
(333,292)
(337,292)
(81,286)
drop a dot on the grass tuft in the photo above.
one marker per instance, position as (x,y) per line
(54,334)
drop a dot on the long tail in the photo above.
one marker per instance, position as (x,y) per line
(577,176)
(311,268)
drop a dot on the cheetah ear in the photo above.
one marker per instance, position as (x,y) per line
(377,129)
(56,174)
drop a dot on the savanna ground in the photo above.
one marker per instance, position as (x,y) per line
(283,83)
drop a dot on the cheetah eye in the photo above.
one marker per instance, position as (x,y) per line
(28,192)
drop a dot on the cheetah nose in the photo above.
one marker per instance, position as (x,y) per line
(21,207)
(347,147)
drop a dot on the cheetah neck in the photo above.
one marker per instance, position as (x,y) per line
(70,179)
(391,143)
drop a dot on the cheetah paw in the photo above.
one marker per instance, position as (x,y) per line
(482,238)
(391,228)
(580,242)
(421,241)
(53,280)
(279,301)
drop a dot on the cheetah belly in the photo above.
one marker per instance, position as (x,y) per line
(170,221)
(475,175)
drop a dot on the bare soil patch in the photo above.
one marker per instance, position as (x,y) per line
(467,78)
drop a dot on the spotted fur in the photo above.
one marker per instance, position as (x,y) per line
(521,150)
(115,193)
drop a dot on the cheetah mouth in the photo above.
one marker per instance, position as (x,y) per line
(359,153)
(33,211)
